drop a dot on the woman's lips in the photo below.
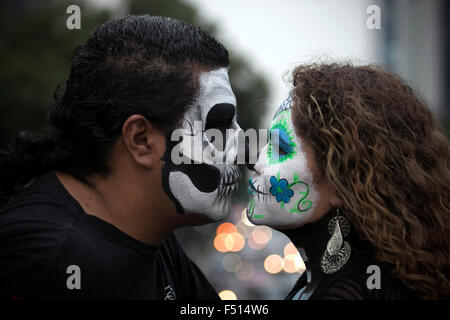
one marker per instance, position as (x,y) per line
(255,188)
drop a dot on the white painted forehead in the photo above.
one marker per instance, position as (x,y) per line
(215,88)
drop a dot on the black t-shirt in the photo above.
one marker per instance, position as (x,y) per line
(50,248)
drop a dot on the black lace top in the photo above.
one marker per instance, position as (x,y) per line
(351,282)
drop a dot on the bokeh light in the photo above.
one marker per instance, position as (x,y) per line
(254,245)
(260,236)
(235,242)
(273,263)
(246,271)
(226,227)
(232,262)
(290,249)
(227,295)
(290,264)
(219,242)
(228,238)
(292,261)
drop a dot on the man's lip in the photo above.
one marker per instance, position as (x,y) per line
(232,178)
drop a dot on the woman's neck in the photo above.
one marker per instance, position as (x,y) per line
(311,239)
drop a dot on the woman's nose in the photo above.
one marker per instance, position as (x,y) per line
(258,168)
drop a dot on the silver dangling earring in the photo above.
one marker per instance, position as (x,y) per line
(338,250)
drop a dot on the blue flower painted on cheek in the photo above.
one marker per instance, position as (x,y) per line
(280,189)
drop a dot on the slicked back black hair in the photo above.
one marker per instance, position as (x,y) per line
(134,65)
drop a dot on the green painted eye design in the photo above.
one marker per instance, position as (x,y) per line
(281,144)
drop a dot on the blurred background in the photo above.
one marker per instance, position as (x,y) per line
(266,40)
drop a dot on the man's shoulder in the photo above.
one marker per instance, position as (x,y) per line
(36,221)
(28,215)
(41,199)
(31,239)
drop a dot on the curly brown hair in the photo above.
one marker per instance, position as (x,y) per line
(380,147)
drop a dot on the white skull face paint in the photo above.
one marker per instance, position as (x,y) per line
(204,184)
(282,193)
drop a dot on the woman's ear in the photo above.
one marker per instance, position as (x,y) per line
(336,202)
(145,143)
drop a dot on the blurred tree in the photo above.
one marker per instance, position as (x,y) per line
(35,52)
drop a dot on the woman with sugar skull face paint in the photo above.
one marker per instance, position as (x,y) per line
(353,163)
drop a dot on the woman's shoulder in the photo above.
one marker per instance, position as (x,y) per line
(363,278)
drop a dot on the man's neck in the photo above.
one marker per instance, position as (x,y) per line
(128,209)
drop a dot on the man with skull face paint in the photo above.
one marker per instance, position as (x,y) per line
(208,174)
(102,193)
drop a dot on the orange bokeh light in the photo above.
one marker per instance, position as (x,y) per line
(238,241)
(289,264)
(219,242)
(254,245)
(293,263)
(226,227)
(290,249)
(259,237)
(233,242)
(227,295)
(273,264)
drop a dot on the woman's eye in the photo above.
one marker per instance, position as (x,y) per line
(281,143)
(282,151)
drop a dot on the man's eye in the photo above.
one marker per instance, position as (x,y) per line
(222,125)
(220,117)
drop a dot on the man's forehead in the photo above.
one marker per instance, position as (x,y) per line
(215,88)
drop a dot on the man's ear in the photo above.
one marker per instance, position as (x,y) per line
(145,142)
